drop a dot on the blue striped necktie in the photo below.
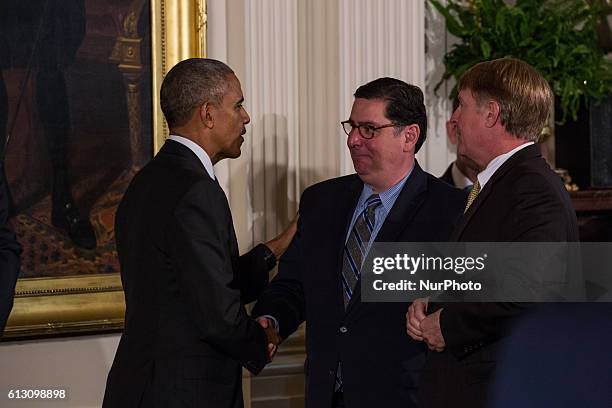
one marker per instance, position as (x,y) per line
(356,247)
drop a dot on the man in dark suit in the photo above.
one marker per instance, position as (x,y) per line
(9,256)
(504,105)
(462,172)
(186,332)
(358,353)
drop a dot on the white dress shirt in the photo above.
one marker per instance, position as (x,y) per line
(485,175)
(198,151)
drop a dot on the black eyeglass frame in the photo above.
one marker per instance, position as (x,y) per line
(369,127)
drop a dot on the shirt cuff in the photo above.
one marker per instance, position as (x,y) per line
(269,257)
(275,324)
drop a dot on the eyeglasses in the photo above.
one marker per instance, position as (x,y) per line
(365,131)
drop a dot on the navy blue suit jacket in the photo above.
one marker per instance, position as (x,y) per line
(380,363)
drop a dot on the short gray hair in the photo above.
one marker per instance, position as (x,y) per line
(190,84)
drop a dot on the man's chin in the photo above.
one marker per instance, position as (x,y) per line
(361,172)
(232,155)
(238,148)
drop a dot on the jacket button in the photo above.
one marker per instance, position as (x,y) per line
(343,329)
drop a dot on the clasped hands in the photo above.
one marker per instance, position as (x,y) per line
(422,327)
(271,335)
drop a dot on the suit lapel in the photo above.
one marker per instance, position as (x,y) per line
(399,218)
(405,207)
(465,219)
(522,155)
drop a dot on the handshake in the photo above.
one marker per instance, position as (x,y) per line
(271,335)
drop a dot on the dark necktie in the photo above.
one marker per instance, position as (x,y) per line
(356,247)
(354,251)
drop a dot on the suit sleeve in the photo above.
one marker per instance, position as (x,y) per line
(283,298)
(206,276)
(539,215)
(253,270)
(9,261)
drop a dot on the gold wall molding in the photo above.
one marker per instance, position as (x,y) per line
(179,32)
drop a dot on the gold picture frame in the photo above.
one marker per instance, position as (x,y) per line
(95,303)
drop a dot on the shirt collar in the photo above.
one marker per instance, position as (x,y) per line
(198,151)
(388,196)
(485,175)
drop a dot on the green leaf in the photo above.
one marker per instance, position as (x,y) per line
(486,49)
(557,37)
(452,25)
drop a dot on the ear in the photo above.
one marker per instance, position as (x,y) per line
(410,136)
(492,113)
(451,131)
(206,113)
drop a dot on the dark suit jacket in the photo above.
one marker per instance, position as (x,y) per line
(380,363)
(9,258)
(524,201)
(186,331)
(448,175)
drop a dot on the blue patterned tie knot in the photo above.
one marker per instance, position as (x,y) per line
(372,204)
(373,201)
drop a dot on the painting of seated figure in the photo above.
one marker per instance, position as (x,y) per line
(75,125)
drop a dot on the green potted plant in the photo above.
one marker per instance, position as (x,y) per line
(558,37)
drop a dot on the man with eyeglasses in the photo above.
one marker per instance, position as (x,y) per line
(358,353)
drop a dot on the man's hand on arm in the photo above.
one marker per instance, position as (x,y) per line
(279,244)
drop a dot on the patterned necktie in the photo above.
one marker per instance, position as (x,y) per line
(356,246)
(473,195)
(354,251)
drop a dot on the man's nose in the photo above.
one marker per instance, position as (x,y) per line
(354,138)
